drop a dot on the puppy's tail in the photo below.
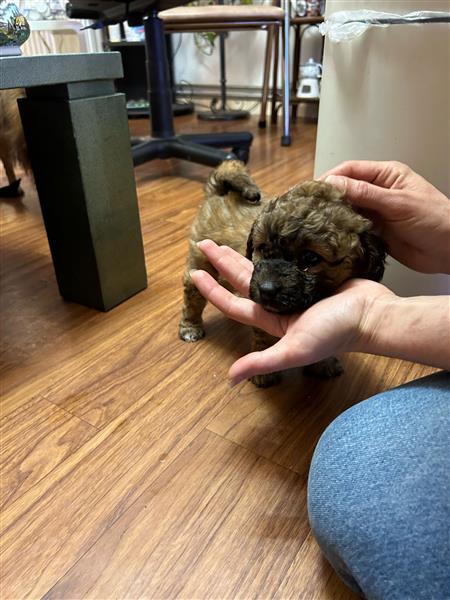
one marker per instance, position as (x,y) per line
(233,176)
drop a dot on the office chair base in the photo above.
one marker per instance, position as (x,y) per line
(182,108)
(223,115)
(203,148)
(178,109)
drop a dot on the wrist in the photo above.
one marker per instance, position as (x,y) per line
(375,322)
(415,329)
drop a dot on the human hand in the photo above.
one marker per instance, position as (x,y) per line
(412,216)
(335,324)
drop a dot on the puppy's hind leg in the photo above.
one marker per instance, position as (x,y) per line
(261,341)
(9,169)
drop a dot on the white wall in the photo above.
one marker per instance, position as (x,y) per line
(385,96)
(245,51)
(244,56)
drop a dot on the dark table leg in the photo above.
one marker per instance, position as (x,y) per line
(78,141)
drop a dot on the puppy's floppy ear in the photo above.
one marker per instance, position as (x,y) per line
(371,264)
(250,248)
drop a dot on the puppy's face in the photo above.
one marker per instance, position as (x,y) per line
(305,244)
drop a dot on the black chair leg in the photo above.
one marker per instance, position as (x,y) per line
(201,148)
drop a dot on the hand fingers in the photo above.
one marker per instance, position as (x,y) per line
(234,267)
(366,170)
(215,253)
(240,309)
(383,173)
(363,194)
(276,358)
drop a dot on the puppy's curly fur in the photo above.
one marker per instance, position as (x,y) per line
(304,245)
(12,142)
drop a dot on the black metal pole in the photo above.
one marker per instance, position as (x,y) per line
(223,77)
(158,77)
(223,114)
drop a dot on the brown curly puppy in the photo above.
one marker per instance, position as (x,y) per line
(304,245)
(12,142)
(232,203)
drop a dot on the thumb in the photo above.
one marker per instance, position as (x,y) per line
(360,193)
(278,357)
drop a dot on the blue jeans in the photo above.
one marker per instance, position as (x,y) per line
(379,493)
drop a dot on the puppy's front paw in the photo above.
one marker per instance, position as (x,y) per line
(265,381)
(327,368)
(190,332)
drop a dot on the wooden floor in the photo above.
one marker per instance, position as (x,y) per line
(129,468)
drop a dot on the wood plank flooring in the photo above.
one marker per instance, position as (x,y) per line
(129,468)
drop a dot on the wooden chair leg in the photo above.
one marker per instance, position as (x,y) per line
(295,69)
(265,85)
(273,116)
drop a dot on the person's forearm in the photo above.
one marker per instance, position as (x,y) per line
(415,329)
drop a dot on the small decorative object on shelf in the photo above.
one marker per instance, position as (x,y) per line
(309,8)
(14,29)
(301,7)
(313,8)
(310,75)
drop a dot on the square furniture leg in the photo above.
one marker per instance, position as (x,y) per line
(78,142)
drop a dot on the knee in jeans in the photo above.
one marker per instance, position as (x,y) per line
(337,497)
(335,507)
(326,499)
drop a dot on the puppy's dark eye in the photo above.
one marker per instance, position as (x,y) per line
(261,248)
(309,258)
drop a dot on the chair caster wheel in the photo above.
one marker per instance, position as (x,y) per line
(242,153)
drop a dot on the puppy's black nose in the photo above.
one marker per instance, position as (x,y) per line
(268,290)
